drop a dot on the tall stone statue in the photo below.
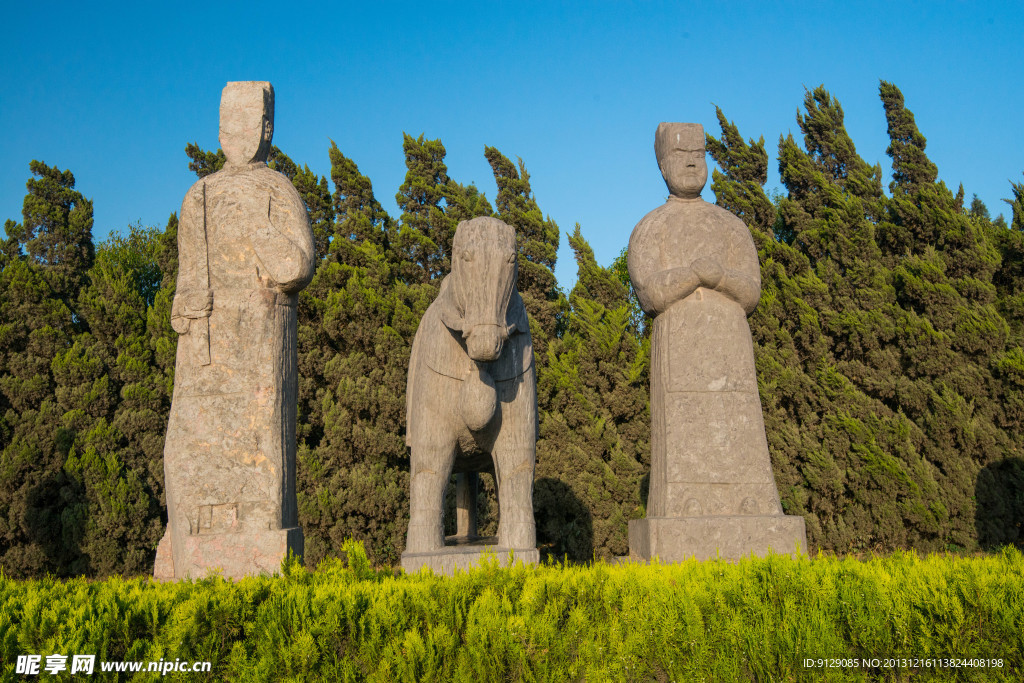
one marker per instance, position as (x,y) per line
(471,403)
(245,250)
(695,269)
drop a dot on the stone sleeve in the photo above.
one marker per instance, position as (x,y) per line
(285,244)
(741,280)
(190,298)
(656,288)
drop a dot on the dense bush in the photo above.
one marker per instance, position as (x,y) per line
(758,619)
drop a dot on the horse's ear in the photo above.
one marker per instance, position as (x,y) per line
(449,313)
(451,319)
(517,320)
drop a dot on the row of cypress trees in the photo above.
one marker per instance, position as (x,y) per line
(888,345)
(888,338)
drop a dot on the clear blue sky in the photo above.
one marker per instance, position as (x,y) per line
(574,89)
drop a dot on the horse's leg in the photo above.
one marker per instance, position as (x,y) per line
(466,487)
(515,455)
(516,527)
(431,468)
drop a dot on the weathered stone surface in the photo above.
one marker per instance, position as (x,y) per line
(464,556)
(245,250)
(674,539)
(163,568)
(471,401)
(695,269)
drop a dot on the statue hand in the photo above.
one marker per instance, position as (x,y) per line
(180,324)
(708,271)
(199,303)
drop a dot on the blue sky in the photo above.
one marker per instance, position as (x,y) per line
(113,92)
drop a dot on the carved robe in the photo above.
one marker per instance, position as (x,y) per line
(230,447)
(709,454)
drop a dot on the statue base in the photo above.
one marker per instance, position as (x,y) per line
(730,537)
(461,554)
(231,555)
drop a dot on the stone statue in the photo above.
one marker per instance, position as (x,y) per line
(471,402)
(695,269)
(245,250)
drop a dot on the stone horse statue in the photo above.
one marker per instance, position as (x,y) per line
(471,400)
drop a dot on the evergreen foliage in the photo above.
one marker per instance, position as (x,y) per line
(83,417)
(1017,205)
(427,228)
(893,618)
(204,163)
(356,323)
(738,187)
(537,241)
(882,354)
(594,446)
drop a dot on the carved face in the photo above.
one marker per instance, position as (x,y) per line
(685,171)
(483,278)
(246,121)
(680,151)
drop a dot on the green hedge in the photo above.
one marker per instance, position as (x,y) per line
(758,619)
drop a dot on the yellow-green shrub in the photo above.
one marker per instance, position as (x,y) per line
(758,619)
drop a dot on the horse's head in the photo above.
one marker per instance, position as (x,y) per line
(481,284)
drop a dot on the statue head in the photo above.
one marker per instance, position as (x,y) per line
(680,151)
(483,278)
(246,121)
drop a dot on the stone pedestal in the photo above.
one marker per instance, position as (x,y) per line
(731,537)
(233,555)
(463,554)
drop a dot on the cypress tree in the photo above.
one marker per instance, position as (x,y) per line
(945,282)
(537,241)
(1017,205)
(46,260)
(34,329)
(426,232)
(463,202)
(594,422)
(359,217)
(1009,278)
(880,346)
(432,206)
(107,380)
(357,319)
(844,457)
(739,187)
(787,335)
(56,231)
(978,209)
(163,340)
(203,163)
(786,330)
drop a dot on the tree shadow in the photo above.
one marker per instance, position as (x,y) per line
(999,499)
(55,516)
(565,527)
